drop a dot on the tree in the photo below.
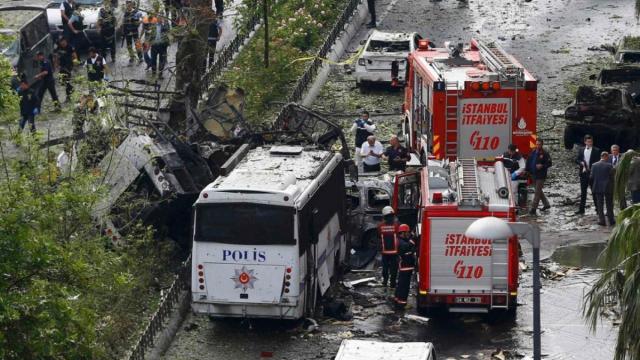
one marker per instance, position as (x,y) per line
(620,279)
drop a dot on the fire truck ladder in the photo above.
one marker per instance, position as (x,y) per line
(499,269)
(469,194)
(451,119)
(498,61)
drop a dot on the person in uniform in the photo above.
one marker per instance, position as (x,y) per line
(107,28)
(215,32)
(46,79)
(388,231)
(396,155)
(96,66)
(362,128)
(65,56)
(29,104)
(157,35)
(67,7)
(407,250)
(130,28)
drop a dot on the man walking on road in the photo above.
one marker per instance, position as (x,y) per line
(106,26)
(602,188)
(47,81)
(371,4)
(537,165)
(407,249)
(587,156)
(388,232)
(362,128)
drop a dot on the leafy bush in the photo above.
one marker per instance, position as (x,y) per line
(297,28)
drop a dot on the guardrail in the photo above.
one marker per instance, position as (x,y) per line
(167,304)
(312,69)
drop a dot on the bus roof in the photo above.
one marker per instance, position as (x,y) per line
(274,171)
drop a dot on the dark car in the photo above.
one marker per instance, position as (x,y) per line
(24,32)
(610,113)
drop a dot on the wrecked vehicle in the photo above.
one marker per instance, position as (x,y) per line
(628,51)
(365,199)
(610,113)
(367,349)
(380,51)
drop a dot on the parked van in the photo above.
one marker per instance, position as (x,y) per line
(24,31)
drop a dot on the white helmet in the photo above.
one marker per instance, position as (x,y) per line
(387,210)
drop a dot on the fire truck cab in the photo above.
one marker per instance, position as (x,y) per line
(457,273)
(468,102)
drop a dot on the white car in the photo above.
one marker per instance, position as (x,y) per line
(90,10)
(380,50)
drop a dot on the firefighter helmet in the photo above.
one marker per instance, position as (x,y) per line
(387,210)
(403,228)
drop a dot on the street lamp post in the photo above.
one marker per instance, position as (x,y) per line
(494,229)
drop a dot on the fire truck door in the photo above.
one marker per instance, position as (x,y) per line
(406,197)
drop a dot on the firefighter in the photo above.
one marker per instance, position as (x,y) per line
(131,23)
(388,230)
(406,249)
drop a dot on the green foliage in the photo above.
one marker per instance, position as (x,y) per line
(65,293)
(297,29)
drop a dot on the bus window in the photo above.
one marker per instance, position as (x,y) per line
(378,198)
(227,223)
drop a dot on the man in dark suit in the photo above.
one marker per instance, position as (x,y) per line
(587,156)
(614,159)
(602,188)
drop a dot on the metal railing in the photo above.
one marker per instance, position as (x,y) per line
(157,321)
(312,69)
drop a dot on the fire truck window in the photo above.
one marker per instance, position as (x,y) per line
(409,195)
(389,46)
(378,198)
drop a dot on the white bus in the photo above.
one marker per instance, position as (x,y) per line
(268,236)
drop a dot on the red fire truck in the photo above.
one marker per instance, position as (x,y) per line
(467,102)
(458,273)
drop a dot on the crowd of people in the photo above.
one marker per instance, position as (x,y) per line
(146,37)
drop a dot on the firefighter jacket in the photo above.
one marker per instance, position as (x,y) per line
(407,250)
(389,238)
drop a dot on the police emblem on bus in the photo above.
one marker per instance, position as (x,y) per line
(244,278)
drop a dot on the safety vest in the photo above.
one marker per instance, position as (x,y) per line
(407,257)
(389,238)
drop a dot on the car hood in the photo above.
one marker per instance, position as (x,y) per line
(385,54)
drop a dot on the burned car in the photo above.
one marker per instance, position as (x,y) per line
(609,111)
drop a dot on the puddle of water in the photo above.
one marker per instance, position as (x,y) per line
(581,255)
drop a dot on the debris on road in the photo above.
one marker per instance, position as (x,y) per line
(351,284)
(417,318)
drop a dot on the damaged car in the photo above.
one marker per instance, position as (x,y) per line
(381,51)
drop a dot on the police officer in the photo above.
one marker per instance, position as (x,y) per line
(406,249)
(65,55)
(29,104)
(67,7)
(107,28)
(95,66)
(388,230)
(76,25)
(48,82)
(362,128)
(130,27)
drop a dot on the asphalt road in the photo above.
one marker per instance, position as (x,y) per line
(551,39)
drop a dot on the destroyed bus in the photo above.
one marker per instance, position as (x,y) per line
(467,102)
(269,234)
(456,273)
